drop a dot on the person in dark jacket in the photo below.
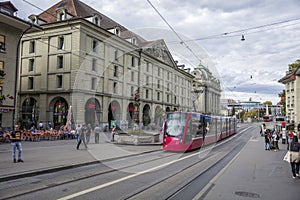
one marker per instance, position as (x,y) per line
(15,139)
(294,149)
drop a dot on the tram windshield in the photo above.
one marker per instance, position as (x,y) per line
(175,124)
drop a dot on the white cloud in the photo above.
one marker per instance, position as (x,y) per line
(265,54)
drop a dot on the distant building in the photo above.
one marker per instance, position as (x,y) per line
(227,106)
(291,80)
(11,30)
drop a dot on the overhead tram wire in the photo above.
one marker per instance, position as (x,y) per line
(234,33)
(181,40)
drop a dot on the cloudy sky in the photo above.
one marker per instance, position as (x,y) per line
(210,32)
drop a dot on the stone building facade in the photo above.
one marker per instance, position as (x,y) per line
(85,62)
(11,30)
(206,91)
(292,94)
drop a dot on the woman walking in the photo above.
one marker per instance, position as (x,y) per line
(295,159)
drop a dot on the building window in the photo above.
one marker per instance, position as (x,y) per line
(132,91)
(148,67)
(158,71)
(168,98)
(115,87)
(132,75)
(158,96)
(61,43)
(147,80)
(94,83)
(132,61)
(2,43)
(95,43)
(31,65)
(94,64)
(32,47)
(175,100)
(158,83)
(2,72)
(30,83)
(116,55)
(96,21)
(168,86)
(134,41)
(61,16)
(59,81)
(115,71)
(147,94)
(1,65)
(60,62)
(118,31)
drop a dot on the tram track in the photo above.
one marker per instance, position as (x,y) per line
(37,182)
(180,192)
(138,160)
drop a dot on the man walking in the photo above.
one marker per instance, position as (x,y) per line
(15,139)
(81,136)
(97,131)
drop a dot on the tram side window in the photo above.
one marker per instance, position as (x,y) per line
(189,132)
(212,127)
(198,128)
(219,125)
(208,127)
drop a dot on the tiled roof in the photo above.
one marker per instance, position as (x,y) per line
(79,9)
(9,5)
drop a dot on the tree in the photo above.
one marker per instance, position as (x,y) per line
(233,111)
(269,103)
(282,102)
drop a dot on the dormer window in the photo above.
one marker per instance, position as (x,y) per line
(96,20)
(61,14)
(33,19)
(133,41)
(117,31)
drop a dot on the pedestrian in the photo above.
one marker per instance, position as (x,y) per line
(113,132)
(291,135)
(88,133)
(97,131)
(295,159)
(81,132)
(267,140)
(15,139)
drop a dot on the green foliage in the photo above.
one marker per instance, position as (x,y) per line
(233,111)
(269,103)
(282,102)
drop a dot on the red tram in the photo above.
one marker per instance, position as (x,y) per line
(184,131)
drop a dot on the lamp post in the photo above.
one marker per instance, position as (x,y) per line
(195,96)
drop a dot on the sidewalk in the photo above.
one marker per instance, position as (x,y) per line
(49,156)
(254,173)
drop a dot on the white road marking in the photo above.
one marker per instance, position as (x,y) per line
(137,174)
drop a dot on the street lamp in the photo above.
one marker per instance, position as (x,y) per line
(195,95)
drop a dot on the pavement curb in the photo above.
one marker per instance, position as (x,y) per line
(56,169)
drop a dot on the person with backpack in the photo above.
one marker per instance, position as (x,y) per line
(267,140)
(295,159)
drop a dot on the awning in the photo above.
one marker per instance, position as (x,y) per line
(6,108)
